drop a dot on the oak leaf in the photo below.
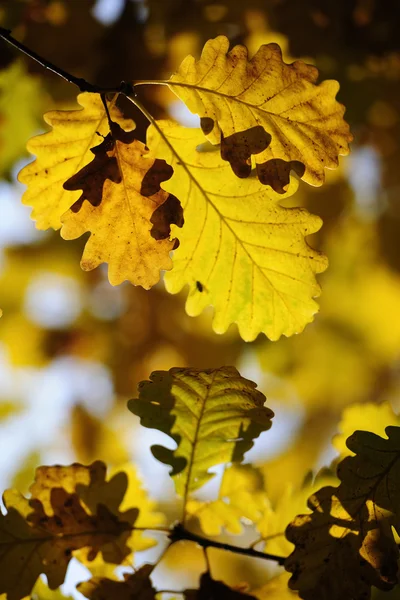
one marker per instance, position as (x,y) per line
(213,416)
(71,508)
(211,589)
(136,586)
(267,108)
(120,193)
(239,249)
(350,529)
(61,153)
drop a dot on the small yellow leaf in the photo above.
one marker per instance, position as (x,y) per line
(266,108)
(240,497)
(61,153)
(121,193)
(240,251)
(213,415)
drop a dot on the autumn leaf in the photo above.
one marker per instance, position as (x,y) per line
(350,529)
(240,251)
(241,497)
(70,509)
(136,586)
(213,416)
(275,589)
(120,193)
(267,108)
(61,153)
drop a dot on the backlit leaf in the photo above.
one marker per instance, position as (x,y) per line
(266,108)
(349,531)
(212,415)
(211,589)
(60,154)
(275,589)
(120,193)
(240,251)
(71,508)
(240,497)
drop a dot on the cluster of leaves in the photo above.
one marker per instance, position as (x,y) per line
(213,416)
(215,192)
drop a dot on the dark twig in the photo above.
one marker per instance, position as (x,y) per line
(180,533)
(82,84)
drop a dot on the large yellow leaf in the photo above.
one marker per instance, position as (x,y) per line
(241,497)
(267,108)
(21,105)
(120,194)
(239,250)
(62,152)
(275,589)
(350,529)
(212,415)
(71,508)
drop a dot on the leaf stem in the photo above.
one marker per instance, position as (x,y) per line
(180,533)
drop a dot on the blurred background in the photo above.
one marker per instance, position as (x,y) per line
(73,348)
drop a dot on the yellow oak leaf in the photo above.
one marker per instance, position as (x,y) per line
(213,415)
(267,108)
(350,530)
(120,194)
(275,589)
(62,152)
(241,497)
(70,509)
(240,251)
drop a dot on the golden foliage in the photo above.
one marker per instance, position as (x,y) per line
(239,250)
(288,121)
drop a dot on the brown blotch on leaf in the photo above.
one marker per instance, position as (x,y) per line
(276,173)
(238,148)
(207,125)
(91,178)
(169,213)
(159,171)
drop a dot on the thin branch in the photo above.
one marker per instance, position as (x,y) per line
(180,533)
(82,84)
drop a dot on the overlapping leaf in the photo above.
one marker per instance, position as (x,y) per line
(241,497)
(117,204)
(266,108)
(350,529)
(60,154)
(212,415)
(239,250)
(70,509)
(211,588)
(137,586)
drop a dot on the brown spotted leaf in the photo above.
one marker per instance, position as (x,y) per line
(349,531)
(264,108)
(71,509)
(120,195)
